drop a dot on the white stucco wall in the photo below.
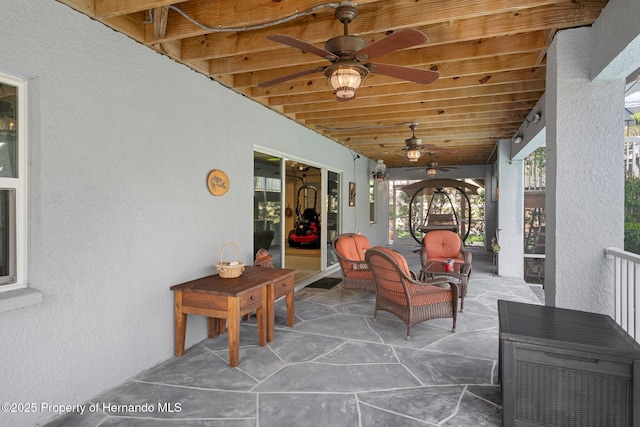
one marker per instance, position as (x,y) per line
(585,188)
(510,212)
(119,209)
(616,41)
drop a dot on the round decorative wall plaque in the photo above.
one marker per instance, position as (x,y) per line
(217,182)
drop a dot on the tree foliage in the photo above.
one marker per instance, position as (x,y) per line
(632,215)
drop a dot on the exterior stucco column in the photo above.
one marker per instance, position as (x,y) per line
(510,213)
(585,181)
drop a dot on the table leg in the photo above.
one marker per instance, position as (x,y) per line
(268,304)
(181,324)
(222,326)
(261,317)
(290,309)
(233,321)
(213,325)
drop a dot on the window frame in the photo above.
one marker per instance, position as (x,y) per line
(373,201)
(19,184)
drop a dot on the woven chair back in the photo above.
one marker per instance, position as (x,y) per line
(390,272)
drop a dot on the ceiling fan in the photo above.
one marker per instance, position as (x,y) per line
(413,146)
(432,167)
(349,55)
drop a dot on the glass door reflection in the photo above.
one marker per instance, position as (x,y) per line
(333,213)
(267,206)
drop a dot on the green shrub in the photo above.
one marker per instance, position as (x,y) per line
(632,215)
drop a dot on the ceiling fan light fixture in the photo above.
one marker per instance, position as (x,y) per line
(345,79)
(431,171)
(413,154)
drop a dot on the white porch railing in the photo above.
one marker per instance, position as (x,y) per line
(627,290)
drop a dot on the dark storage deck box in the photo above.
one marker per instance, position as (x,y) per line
(566,368)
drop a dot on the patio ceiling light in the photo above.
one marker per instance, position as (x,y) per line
(413,154)
(344,79)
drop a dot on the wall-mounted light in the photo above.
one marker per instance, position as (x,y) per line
(516,139)
(535,119)
(345,78)
(380,171)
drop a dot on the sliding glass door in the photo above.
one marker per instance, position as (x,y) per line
(267,205)
(296,213)
(332,213)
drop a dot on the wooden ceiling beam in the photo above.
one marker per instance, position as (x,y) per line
(374,21)
(452,131)
(160,15)
(281,93)
(431,96)
(111,8)
(460,133)
(422,117)
(222,45)
(396,147)
(220,16)
(429,117)
(507,62)
(438,106)
(425,134)
(432,125)
(518,43)
(131,25)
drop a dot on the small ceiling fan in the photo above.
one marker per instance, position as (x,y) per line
(349,55)
(432,167)
(414,148)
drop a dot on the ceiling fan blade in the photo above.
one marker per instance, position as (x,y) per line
(304,46)
(397,40)
(292,76)
(424,77)
(430,147)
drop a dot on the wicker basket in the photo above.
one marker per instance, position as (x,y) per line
(230,270)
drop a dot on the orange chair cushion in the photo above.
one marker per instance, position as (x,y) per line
(441,245)
(399,259)
(353,247)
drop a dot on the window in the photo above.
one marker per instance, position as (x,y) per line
(13,176)
(373,189)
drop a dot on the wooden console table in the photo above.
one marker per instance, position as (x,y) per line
(561,367)
(229,299)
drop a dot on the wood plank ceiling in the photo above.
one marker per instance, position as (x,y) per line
(491,56)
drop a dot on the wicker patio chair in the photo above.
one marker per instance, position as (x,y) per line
(263,259)
(350,249)
(441,245)
(399,293)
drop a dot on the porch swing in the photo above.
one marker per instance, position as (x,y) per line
(457,220)
(440,221)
